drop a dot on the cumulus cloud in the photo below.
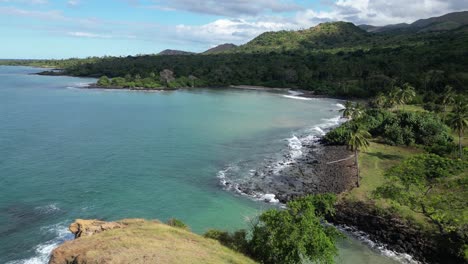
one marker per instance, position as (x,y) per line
(240,22)
(230,30)
(380,12)
(231,8)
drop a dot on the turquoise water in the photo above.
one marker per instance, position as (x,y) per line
(67,153)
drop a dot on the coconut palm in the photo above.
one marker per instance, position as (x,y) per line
(458,120)
(358,111)
(394,97)
(380,100)
(358,140)
(407,93)
(348,109)
(448,97)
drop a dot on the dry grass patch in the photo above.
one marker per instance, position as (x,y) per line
(146,242)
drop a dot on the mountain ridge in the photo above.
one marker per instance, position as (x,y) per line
(448,21)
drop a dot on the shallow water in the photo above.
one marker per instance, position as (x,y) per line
(69,153)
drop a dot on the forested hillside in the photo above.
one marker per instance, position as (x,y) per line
(338,59)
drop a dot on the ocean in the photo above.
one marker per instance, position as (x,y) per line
(67,152)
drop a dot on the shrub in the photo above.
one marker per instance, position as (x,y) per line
(407,128)
(338,136)
(177,223)
(296,234)
(237,240)
(293,235)
(103,81)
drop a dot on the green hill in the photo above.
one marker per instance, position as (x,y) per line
(442,23)
(334,59)
(322,36)
(220,48)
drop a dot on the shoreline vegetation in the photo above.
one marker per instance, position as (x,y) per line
(406,180)
(326,167)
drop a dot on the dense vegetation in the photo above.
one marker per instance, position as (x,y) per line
(427,184)
(433,184)
(336,59)
(293,235)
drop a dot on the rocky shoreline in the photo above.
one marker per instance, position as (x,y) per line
(397,234)
(325,169)
(95,86)
(312,173)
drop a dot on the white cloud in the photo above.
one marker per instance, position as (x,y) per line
(47,15)
(244,19)
(229,30)
(381,12)
(87,35)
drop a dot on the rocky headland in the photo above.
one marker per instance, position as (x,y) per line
(139,241)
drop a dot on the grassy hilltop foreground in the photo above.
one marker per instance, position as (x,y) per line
(140,241)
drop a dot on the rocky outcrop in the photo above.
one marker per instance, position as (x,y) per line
(322,169)
(83,227)
(398,234)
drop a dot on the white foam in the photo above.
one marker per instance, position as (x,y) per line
(295,92)
(296,97)
(381,248)
(332,122)
(269,197)
(318,129)
(82,84)
(43,251)
(295,147)
(47,209)
(340,106)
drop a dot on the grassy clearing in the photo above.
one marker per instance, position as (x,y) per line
(374,162)
(411,108)
(149,242)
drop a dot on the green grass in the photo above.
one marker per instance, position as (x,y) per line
(373,164)
(411,108)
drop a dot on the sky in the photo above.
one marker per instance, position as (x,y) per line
(43,29)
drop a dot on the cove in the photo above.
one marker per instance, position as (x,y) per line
(68,152)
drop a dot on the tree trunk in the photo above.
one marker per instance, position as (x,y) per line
(460,149)
(357,165)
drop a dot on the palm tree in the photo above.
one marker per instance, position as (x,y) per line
(407,93)
(358,111)
(348,109)
(381,100)
(458,120)
(448,97)
(394,97)
(358,140)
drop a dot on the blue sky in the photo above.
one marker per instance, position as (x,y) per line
(81,28)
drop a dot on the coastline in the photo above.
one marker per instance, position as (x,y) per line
(311,174)
(95,86)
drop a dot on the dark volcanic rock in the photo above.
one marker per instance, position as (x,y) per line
(309,175)
(398,234)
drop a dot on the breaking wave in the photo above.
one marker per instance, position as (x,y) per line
(42,251)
